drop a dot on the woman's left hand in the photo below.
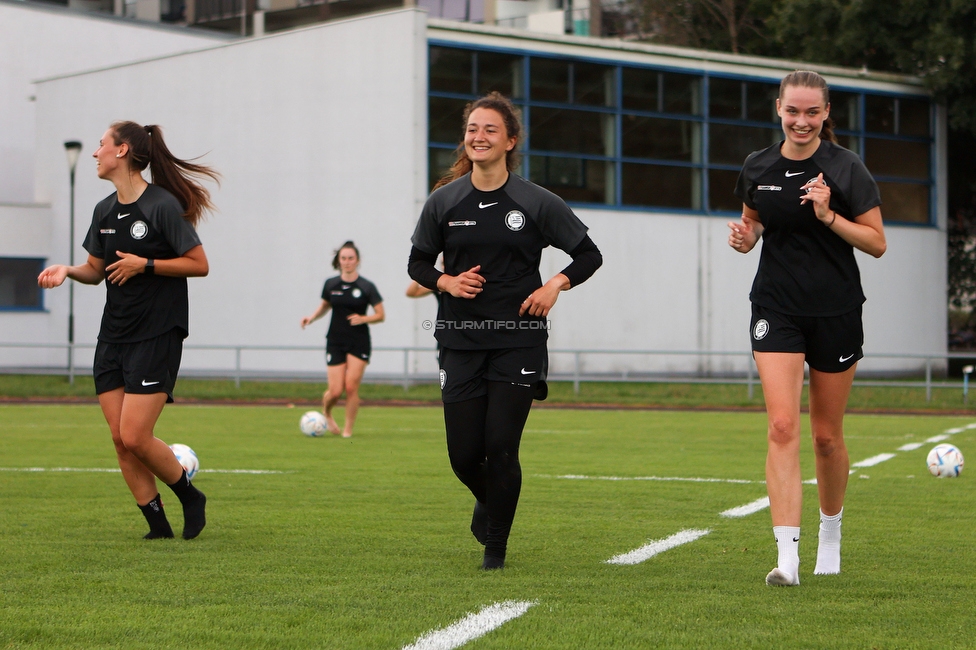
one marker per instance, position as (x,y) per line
(357,319)
(128,266)
(540,302)
(818,193)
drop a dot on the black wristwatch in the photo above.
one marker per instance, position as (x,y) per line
(150,267)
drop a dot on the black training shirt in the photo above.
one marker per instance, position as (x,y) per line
(347,298)
(152,227)
(504,231)
(805,269)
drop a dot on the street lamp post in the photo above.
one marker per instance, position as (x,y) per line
(73,149)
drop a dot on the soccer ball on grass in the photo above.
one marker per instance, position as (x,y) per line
(945,461)
(312,424)
(188,459)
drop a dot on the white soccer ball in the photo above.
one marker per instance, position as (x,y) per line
(188,459)
(312,423)
(945,461)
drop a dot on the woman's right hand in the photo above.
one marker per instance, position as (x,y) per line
(745,234)
(306,321)
(464,285)
(52,276)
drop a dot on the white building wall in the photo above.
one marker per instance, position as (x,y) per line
(37,42)
(320,135)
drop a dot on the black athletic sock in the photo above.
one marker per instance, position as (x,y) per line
(159,527)
(479,522)
(194,506)
(496,544)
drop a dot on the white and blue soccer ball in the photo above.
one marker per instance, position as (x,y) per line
(945,461)
(188,459)
(312,424)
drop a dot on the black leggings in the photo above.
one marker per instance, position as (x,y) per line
(483,436)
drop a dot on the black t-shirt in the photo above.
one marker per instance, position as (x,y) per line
(504,231)
(805,269)
(349,298)
(152,227)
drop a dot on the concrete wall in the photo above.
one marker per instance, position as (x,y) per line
(320,137)
(38,42)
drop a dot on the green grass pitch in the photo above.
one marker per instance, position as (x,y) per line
(364,543)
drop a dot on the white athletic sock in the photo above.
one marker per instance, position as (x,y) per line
(788,543)
(828,550)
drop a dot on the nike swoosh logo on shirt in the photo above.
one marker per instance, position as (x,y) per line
(789,175)
(528,372)
(123,216)
(149,383)
(486,205)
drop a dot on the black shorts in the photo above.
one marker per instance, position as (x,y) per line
(830,343)
(335,353)
(465,373)
(142,368)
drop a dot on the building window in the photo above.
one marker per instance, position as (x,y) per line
(641,137)
(18,284)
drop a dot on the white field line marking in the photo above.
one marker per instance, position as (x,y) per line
(937,438)
(874,460)
(912,446)
(971,425)
(471,627)
(117,470)
(811,481)
(747,509)
(582,477)
(648,551)
(954,431)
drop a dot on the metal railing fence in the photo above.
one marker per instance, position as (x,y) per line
(238,370)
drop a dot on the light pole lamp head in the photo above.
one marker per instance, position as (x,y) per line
(73,149)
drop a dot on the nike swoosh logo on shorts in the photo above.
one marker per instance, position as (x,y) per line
(791,175)
(843,358)
(123,216)
(149,383)
(486,205)
(528,372)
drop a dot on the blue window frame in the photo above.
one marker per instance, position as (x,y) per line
(18,284)
(625,136)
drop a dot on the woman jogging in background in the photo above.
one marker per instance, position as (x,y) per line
(348,346)
(142,240)
(812,202)
(492,226)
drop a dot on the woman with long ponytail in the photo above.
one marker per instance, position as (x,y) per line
(143,242)
(811,202)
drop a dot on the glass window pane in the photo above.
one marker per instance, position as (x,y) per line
(721,184)
(729,145)
(438,162)
(640,91)
(657,185)
(550,80)
(913,117)
(593,84)
(897,158)
(725,98)
(849,142)
(682,93)
(445,120)
(843,110)
(761,102)
(904,202)
(556,129)
(879,114)
(501,72)
(574,179)
(18,283)
(651,137)
(450,70)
